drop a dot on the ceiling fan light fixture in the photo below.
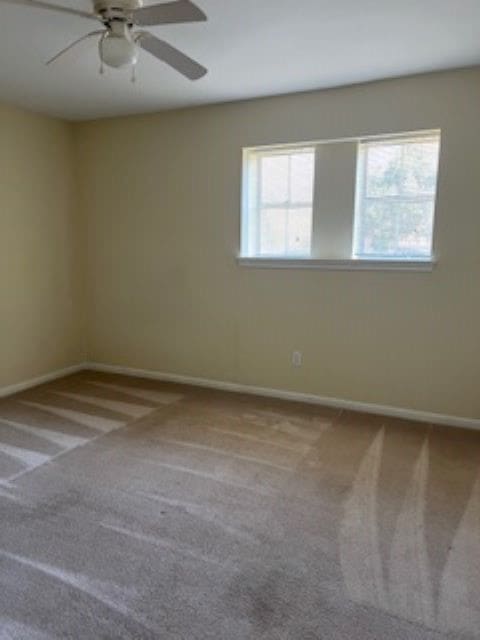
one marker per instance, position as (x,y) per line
(120,41)
(118,51)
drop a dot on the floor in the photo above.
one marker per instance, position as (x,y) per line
(133,509)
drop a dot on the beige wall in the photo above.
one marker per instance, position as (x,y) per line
(161,195)
(40,280)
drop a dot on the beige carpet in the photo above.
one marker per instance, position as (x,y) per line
(131,509)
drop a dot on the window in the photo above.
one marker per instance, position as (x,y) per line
(343,202)
(280,202)
(397,181)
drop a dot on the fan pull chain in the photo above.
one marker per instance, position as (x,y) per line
(102,68)
(134,73)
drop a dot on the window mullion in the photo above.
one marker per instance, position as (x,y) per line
(259,208)
(363,196)
(287,208)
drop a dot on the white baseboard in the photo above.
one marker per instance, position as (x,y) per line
(336,403)
(35,382)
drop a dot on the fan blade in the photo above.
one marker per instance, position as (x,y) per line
(168,13)
(38,4)
(74,44)
(173,57)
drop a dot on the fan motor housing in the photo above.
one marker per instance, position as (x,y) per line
(111,8)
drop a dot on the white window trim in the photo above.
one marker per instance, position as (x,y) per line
(354,263)
(361,188)
(254,177)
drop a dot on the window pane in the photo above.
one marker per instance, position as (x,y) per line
(299,232)
(302,170)
(382,170)
(396,228)
(273,232)
(274,179)
(280,202)
(402,169)
(396,203)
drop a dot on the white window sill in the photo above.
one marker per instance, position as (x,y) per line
(337,265)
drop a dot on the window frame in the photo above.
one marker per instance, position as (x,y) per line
(251,200)
(314,261)
(362,197)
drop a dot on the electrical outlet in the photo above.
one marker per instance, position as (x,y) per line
(297,359)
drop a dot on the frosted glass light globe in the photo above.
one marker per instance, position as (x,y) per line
(118,51)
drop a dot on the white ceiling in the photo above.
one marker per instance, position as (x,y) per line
(251,47)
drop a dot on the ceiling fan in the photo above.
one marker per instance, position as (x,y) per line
(119,41)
